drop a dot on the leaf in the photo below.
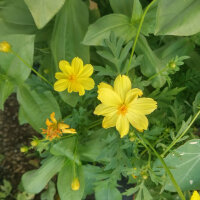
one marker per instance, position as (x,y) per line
(50,193)
(70,98)
(6,88)
(178,17)
(65,178)
(107,192)
(34,181)
(137,11)
(43,10)
(69,29)
(11,66)
(122,7)
(101,29)
(37,107)
(196,103)
(6,188)
(66,148)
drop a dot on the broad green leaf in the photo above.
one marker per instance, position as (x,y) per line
(184,163)
(122,7)
(107,192)
(43,10)
(65,178)
(69,98)
(6,88)
(15,18)
(66,148)
(178,17)
(50,193)
(137,11)
(34,181)
(37,107)
(12,66)
(69,29)
(119,24)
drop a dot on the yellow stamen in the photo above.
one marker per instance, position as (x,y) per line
(72,77)
(122,110)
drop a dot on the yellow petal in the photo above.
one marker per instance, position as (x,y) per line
(102,109)
(52,116)
(77,65)
(132,95)
(122,85)
(122,125)
(138,121)
(87,83)
(109,121)
(48,123)
(71,130)
(65,67)
(60,75)
(76,87)
(143,106)
(109,97)
(61,85)
(87,71)
(104,85)
(62,126)
(195,196)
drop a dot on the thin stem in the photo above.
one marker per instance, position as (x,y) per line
(138,33)
(38,74)
(184,132)
(178,189)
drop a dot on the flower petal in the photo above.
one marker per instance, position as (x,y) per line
(104,85)
(109,121)
(77,65)
(71,130)
(62,125)
(143,106)
(61,85)
(87,83)
(138,121)
(132,95)
(122,125)
(65,67)
(102,109)
(60,75)
(87,71)
(122,85)
(109,97)
(52,116)
(48,123)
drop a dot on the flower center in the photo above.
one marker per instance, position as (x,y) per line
(122,109)
(72,77)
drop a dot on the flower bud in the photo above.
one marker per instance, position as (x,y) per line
(75,184)
(24,149)
(172,65)
(34,143)
(5,47)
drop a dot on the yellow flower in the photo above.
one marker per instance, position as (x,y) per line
(5,47)
(74,77)
(55,129)
(195,196)
(121,106)
(75,184)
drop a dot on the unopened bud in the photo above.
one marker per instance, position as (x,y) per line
(34,143)
(24,149)
(5,47)
(75,184)
(132,139)
(172,65)
(145,177)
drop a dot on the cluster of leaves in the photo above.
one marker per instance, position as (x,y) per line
(165,66)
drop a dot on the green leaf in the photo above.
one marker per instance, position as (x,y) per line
(50,193)
(122,7)
(69,98)
(6,188)
(196,103)
(43,10)
(6,88)
(11,66)
(107,192)
(178,17)
(101,29)
(184,163)
(37,107)
(34,181)
(66,148)
(65,178)
(137,11)
(69,29)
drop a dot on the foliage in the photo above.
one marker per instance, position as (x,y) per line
(138,39)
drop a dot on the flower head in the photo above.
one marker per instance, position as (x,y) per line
(195,196)
(55,129)
(5,47)
(121,106)
(74,77)
(24,149)
(75,184)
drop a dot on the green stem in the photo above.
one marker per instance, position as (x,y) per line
(184,132)
(38,74)
(138,33)
(178,189)
(161,71)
